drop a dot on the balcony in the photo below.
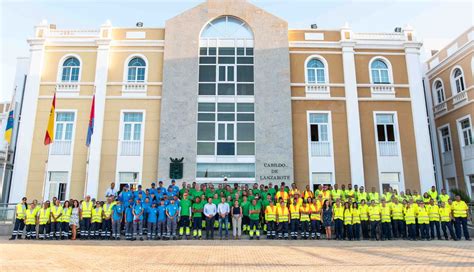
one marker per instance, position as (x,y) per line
(468,152)
(130,148)
(67,87)
(447,157)
(382,90)
(460,97)
(317,88)
(61,148)
(440,107)
(320,149)
(134,88)
(388,149)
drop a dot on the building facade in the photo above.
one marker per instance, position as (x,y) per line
(449,84)
(228,88)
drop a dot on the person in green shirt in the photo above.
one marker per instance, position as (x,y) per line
(216,200)
(185,216)
(254,216)
(182,190)
(255,189)
(245,211)
(271,190)
(197,209)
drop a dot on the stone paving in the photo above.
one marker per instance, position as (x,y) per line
(232,255)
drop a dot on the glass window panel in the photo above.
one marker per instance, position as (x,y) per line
(245,107)
(318,118)
(226,60)
(375,76)
(245,60)
(384,76)
(230,73)
(225,149)
(206,117)
(226,89)
(212,51)
(222,73)
(311,76)
(207,73)
(245,132)
(230,170)
(378,64)
(203,51)
(244,89)
(221,132)
(65,75)
(205,148)
(59,131)
(75,74)
(314,133)
(245,149)
(384,118)
(227,51)
(390,133)
(127,132)
(249,51)
(58,177)
(225,117)
(65,116)
(207,60)
(133,117)
(226,107)
(128,177)
(324,133)
(230,132)
(245,117)
(244,73)
(240,51)
(137,130)
(321,76)
(206,132)
(68,133)
(381,133)
(207,89)
(207,107)
(141,74)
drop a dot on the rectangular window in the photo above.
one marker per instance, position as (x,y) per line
(229,170)
(245,89)
(207,73)
(132,123)
(58,185)
(130,178)
(244,73)
(206,132)
(385,128)
(207,89)
(446,140)
(226,73)
(390,180)
(319,127)
(322,178)
(63,133)
(466,132)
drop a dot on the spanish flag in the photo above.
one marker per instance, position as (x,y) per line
(48,138)
(9,127)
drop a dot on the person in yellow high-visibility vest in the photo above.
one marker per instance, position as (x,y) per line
(295,219)
(386,214)
(31,222)
(270,219)
(443,197)
(56,213)
(348,221)
(355,221)
(283,219)
(338,210)
(97,215)
(460,214)
(85,215)
(19,219)
(446,217)
(44,215)
(305,211)
(423,221)
(374,217)
(315,217)
(107,218)
(364,219)
(433,210)
(282,194)
(398,223)
(410,220)
(65,219)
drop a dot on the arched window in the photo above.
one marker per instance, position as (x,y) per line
(70,71)
(458,78)
(380,72)
(136,70)
(315,72)
(227,27)
(439,90)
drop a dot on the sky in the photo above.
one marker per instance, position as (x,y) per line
(435,22)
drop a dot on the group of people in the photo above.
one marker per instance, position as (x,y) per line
(280,212)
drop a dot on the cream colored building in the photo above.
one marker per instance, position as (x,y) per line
(449,83)
(229,88)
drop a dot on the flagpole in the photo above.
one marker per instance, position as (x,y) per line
(11,135)
(88,154)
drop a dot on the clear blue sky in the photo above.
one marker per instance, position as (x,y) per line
(437,22)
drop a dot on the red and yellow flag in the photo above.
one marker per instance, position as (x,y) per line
(48,138)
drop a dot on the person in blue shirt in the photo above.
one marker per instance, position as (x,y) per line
(160,193)
(139,193)
(161,223)
(172,214)
(167,201)
(170,193)
(129,220)
(146,205)
(153,189)
(138,212)
(152,219)
(125,195)
(117,215)
(174,187)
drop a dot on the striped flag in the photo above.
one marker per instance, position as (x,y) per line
(9,127)
(48,138)
(90,128)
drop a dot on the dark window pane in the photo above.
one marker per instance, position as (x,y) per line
(212,51)
(229,51)
(209,107)
(244,89)
(203,51)
(225,117)
(206,117)
(226,60)
(206,131)
(390,133)
(240,51)
(245,132)
(207,89)
(249,51)
(245,60)
(226,89)
(211,60)
(205,148)
(207,73)
(245,73)
(245,117)
(225,149)
(226,107)
(230,73)
(314,133)
(222,71)
(245,107)
(380,133)
(245,149)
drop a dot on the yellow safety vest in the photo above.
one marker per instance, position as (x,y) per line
(30,217)
(44,216)
(307,194)
(20,211)
(315,212)
(304,216)
(336,194)
(385,214)
(410,216)
(364,212)
(355,216)
(444,198)
(284,195)
(338,212)
(349,193)
(397,211)
(107,209)
(374,213)
(56,211)
(282,214)
(445,213)
(362,196)
(97,215)
(66,217)
(374,196)
(326,195)
(295,211)
(348,216)
(459,209)
(434,213)
(293,192)
(86,209)
(270,214)
(422,215)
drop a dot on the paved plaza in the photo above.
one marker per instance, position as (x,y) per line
(240,255)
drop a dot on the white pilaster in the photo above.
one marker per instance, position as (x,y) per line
(28,115)
(101,72)
(420,125)
(352,107)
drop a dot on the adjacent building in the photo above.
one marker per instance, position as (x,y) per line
(230,89)
(449,84)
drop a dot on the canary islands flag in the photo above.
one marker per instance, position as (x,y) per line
(48,138)
(90,128)
(9,127)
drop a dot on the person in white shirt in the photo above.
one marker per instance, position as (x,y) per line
(210,211)
(111,191)
(223,209)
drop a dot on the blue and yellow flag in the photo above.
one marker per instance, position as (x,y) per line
(9,127)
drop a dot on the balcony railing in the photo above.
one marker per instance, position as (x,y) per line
(134,87)
(317,88)
(440,107)
(447,157)
(61,148)
(388,148)
(73,32)
(379,36)
(320,149)
(131,148)
(383,89)
(67,87)
(460,97)
(468,152)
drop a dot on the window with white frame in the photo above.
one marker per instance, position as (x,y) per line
(458,78)
(136,70)
(319,134)
(439,91)
(132,125)
(446,140)
(466,132)
(390,180)
(128,178)
(58,185)
(315,72)
(64,125)
(380,72)
(385,125)
(322,178)
(70,70)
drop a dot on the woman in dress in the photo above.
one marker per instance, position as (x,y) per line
(74,221)
(328,218)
